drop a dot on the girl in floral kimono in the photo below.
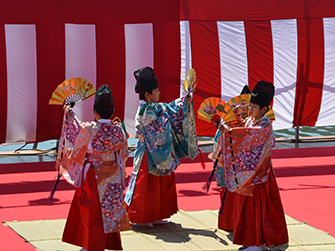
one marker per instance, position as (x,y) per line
(165,132)
(225,217)
(92,157)
(258,216)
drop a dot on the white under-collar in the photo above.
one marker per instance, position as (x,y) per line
(104,121)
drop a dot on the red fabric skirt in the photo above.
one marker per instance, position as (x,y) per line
(260,219)
(226,218)
(154,197)
(84,226)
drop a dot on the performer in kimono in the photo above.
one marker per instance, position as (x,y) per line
(258,216)
(92,157)
(166,133)
(225,217)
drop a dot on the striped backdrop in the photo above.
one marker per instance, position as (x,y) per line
(241,44)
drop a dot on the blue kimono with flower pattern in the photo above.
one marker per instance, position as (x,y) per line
(166,133)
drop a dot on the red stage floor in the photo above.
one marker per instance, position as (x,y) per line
(305,178)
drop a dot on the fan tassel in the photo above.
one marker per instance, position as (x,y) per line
(202,161)
(210,178)
(223,201)
(54,188)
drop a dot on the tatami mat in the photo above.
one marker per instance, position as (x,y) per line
(195,230)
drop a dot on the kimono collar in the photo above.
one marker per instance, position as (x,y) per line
(262,118)
(145,105)
(252,120)
(107,121)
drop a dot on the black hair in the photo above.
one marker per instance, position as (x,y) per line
(105,114)
(261,107)
(142,95)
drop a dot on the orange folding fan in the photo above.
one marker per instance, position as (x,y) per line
(244,100)
(214,109)
(271,114)
(72,91)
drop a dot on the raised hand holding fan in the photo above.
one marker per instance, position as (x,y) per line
(72,91)
(190,82)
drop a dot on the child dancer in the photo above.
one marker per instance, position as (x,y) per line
(258,216)
(92,157)
(225,218)
(165,132)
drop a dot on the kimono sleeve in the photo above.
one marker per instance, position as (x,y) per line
(247,158)
(182,121)
(72,148)
(122,156)
(156,131)
(122,150)
(216,156)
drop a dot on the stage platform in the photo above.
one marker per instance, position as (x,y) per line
(191,230)
(305,175)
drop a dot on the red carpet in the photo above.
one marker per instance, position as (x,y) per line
(306,181)
(305,178)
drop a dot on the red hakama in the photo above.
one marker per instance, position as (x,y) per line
(154,197)
(225,221)
(84,226)
(260,218)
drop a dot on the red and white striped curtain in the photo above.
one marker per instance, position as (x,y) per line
(228,43)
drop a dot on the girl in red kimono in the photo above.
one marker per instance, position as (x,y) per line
(92,158)
(258,216)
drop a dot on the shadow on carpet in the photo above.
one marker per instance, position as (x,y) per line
(192,230)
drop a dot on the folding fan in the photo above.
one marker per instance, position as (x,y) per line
(244,100)
(72,91)
(214,109)
(190,82)
(270,114)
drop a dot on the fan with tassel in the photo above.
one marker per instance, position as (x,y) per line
(214,109)
(72,91)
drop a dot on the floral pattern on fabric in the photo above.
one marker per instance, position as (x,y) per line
(71,131)
(176,123)
(112,209)
(72,149)
(216,156)
(248,156)
(166,133)
(107,141)
(219,175)
(107,138)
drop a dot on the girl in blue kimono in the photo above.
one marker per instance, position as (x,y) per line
(166,133)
